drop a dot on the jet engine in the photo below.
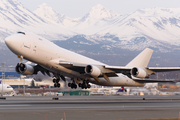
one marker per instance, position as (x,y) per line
(139,72)
(93,70)
(24,69)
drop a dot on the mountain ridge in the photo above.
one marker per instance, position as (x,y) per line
(151,27)
(104,35)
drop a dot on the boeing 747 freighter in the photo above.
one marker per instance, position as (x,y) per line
(50,58)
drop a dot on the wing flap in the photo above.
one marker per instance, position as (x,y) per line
(118,69)
(73,66)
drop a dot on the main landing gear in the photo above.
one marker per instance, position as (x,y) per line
(83,85)
(56,82)
(72,85)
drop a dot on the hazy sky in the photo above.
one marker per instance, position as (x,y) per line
(78,8)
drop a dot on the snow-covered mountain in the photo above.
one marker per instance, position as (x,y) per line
(46,12)
(150,27)
(14,17)
(156,27)
(99,33)
(96,20)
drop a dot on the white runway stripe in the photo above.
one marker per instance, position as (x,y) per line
(13,105)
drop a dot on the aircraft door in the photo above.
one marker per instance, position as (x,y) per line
(34,48)
(26,46)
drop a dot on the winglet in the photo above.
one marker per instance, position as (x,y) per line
(142,60)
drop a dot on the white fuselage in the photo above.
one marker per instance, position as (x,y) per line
(5,88)
(45,53)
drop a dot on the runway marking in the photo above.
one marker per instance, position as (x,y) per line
(13,105)
(87,107)
(31,107)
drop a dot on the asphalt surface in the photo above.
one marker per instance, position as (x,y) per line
(90,108)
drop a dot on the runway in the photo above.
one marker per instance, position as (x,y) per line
(89,108)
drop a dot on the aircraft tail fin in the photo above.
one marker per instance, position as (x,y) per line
(142,60)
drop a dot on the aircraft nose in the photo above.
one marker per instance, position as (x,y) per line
(8,41)
(11,89)
(12,42)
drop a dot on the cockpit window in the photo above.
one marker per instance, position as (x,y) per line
(8,86)
(21,33)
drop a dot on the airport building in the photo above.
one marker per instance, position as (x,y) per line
(30,82)
(9,75)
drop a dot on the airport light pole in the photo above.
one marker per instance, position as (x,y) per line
(3,76)
(22,79)
(157,73)
(24,88)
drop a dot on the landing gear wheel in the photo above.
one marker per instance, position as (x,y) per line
(73,85)
(69,84)
(54,80)
(89,86)
(58,85)
(57,80)
(80,84)
(85,84)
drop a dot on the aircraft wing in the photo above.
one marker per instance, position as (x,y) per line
(109,71)
(42,70)
(113,69)
(120,69)
(150,70)
(163,69)
(80,67)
